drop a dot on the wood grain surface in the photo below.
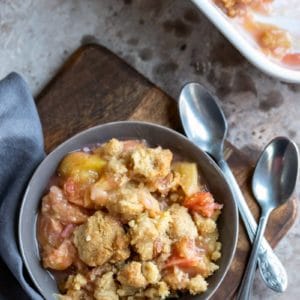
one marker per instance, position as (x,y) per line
(94,86)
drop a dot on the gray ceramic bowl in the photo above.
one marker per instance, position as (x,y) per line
(155,135)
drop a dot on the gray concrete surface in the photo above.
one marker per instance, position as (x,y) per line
(171,43)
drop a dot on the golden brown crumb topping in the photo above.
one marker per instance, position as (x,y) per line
(127,222)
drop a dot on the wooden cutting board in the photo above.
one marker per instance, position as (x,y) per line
(94,86)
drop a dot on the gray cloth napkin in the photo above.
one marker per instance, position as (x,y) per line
(21,149)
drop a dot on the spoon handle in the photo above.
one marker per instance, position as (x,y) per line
(247,282)
(271,269)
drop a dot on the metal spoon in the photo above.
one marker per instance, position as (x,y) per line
(273,182)
(204,124)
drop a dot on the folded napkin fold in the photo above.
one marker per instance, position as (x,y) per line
(21,149)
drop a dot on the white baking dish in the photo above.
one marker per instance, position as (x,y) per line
(288,19)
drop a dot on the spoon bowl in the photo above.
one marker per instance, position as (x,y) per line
(209,134)
(275,175)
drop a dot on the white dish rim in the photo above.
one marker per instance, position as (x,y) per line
(255,56)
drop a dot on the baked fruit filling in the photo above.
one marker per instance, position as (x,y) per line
(126,221)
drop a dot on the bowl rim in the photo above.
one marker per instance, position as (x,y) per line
(95,128)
